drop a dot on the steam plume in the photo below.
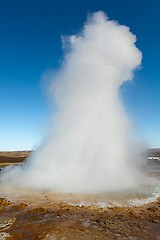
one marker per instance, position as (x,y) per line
(89,148)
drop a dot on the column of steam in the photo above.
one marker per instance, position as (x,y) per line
(89,147)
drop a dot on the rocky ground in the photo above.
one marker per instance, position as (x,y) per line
(55,221)
(33,216)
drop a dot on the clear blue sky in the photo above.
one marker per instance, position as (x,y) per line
(30,44)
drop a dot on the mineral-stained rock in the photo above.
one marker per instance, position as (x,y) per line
(23,220)
(5,202)
(4,235)
(5,223)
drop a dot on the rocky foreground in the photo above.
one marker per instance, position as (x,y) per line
(55,221)
(32,216)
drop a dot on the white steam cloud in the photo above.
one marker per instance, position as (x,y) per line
(90,148)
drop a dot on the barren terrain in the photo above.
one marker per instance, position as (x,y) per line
(49,220)
(44,215)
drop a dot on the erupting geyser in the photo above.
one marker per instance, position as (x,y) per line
(90,148)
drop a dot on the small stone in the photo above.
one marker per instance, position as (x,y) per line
(155,220)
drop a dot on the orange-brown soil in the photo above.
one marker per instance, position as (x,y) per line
(50,221)
(33,216)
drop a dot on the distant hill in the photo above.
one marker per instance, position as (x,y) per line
(14,156)
(20,156)
(154,152)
